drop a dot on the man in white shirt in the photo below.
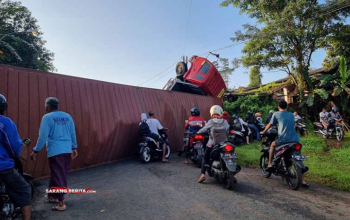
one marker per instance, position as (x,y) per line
(296,116)
(154,126)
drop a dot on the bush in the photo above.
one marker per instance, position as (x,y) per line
(255,103)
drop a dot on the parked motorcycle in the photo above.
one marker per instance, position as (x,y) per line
(8,210)
(222,165)
(148,147)
(300,127)
(196,144)
(287,163)
(236,137)
(336,130)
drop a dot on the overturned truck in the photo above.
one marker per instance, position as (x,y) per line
(201,78)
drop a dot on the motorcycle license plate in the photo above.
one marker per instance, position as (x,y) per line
(299,157)
(230,155)
(197,146)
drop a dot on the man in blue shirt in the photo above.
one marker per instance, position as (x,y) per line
(286,130)
(57,131)
(10,148)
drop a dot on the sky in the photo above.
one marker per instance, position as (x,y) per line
(129,42)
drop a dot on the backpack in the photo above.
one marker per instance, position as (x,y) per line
(218,133)
(144,128)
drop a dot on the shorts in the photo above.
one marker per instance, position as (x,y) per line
(18,189)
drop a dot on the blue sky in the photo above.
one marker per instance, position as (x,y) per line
(128,42)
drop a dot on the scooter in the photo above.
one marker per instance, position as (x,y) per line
(149,150)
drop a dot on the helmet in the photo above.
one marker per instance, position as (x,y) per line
(216,110)
(195,111)
(250,112)
(335,109)
(225,113)
(151,113)
(258,114)
(271,111)
(3,104)
(234,117)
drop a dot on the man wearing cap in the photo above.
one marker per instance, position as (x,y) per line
(57,131)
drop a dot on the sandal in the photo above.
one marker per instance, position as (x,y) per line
(201,179)
(270,169)
(56,208)
(165,161)
(51,200)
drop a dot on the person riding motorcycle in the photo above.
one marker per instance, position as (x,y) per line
(269,116)
(244,126)
(252,122)
(259,119)
(193,125)
(296,116)
(324,118)
(217,121)
(10,147)
(334,114)
(154,126)
(286,131)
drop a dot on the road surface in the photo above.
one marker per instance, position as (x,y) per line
(132,190)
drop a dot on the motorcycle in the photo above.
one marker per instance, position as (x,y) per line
(236,137)
(287,163)
(300,127)
(222,165)
(336,130)
(196,144)
(149,150)
(8,210)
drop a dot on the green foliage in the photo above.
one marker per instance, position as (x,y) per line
(255,103)
(287,33)
(322,93)
(336,44)
(255,77)
(18,46)
(344,74)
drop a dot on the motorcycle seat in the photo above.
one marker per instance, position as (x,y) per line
(279,147)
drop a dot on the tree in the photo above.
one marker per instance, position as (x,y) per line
(224,69)
(287,34)
(18,46)
(255,77)
(337,44)
(339,84)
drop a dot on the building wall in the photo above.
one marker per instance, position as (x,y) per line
(106,115)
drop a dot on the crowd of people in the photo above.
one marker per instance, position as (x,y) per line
(57,131)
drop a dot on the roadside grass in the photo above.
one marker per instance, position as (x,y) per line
(328,160)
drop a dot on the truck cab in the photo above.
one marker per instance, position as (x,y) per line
(201,78)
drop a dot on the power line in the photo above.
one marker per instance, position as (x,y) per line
(188,21)
(157,74)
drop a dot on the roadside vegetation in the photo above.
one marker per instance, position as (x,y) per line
(328,160)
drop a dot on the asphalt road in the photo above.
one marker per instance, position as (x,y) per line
(132,190)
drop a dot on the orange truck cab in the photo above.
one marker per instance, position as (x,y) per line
(201,78)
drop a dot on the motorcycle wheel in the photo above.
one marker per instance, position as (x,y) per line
(145,156)
(199,161)
(264,160)
(339,134)
(167,153)
(230,181)
(295,172)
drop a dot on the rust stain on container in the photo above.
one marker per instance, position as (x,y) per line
(106,115)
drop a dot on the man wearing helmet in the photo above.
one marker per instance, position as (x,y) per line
(10,147)
(217,121)
(193,125)
(242,126)
(154,126)
(335,113)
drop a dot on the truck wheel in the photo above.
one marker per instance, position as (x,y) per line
(181,69)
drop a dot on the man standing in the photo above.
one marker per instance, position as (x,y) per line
(154,126)
(10,147)
(57,130)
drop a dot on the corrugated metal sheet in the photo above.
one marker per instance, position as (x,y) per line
(106,114)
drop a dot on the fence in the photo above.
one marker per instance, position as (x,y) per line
(106,115)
